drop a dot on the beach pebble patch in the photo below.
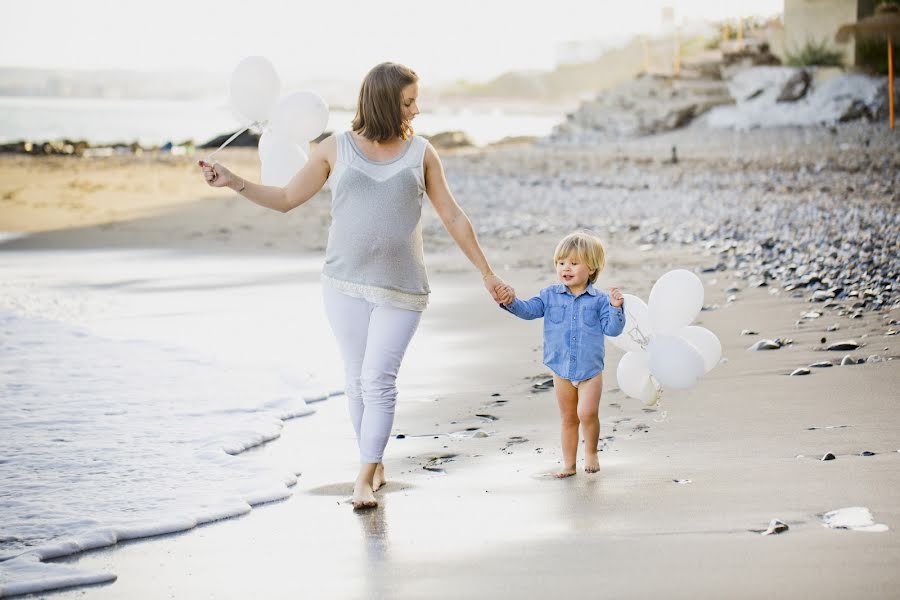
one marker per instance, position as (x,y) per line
(857,518)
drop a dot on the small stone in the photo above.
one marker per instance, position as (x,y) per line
(891,332)
(800,371)
(822,364)
(731,298)
(400,436)
(480,434)
(776,526)
(834,327)
(874,359)
(811,315)
(828,456)
(823,339)
(764,345)
(749,332)
(844,345)
(494,395)
(822,296)
(866,453)
(848,360)
(682,481)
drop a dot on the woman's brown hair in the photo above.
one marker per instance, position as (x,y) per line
(378,116)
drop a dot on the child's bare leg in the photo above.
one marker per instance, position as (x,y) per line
(567,397)
(363,494)
(588,407)
(379,479)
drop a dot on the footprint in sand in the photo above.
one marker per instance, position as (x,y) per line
(487,416)
(436,464)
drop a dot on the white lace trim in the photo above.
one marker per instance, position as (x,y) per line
(378,295)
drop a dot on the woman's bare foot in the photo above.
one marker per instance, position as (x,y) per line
(566,472)
(379,479)
(591,463)
(363,496)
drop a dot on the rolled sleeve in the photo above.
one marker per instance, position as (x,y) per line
(615,321)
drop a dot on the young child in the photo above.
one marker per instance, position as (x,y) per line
(576,317)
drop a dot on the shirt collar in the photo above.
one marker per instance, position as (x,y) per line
(561,288)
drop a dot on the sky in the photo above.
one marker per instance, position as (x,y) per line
(332,39)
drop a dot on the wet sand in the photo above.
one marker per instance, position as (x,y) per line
(472,515)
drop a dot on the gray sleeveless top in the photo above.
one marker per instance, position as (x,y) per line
(375,242)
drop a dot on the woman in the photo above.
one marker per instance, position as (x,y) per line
(374,281)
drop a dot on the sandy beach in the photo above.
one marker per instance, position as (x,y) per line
(471,508)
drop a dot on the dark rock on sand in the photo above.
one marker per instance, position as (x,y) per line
(542,386)
(776,526)
(866,453)
(828,456)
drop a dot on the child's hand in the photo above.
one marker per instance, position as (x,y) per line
(506,294)
(616,298)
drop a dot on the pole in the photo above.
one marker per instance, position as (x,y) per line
(891,80)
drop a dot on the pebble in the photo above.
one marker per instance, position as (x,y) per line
(822,296)
(848,360)
(874,359)
(776,526)
(800,371)
(844,345)
(749,332)
(822,364)
(811,315)
(866,453)
(764,345)
(682,481)
(828,456)
(480,434)
(834,327)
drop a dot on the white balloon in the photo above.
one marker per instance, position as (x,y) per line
(705,341)
(633,375)
(254,88)
(301,116)
(674,361)
(675,300)
(281,159)
(637,318)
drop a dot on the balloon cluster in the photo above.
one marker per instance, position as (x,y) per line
(287,124)
(662,348)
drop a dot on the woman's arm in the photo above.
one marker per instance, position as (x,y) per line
(458,225)
(303,186)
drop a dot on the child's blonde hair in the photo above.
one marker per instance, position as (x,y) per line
(587,247)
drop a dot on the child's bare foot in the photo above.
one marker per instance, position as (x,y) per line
(379,479)
(566,472)
(591,464)
(363,496)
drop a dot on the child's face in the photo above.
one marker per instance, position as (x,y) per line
(572,272)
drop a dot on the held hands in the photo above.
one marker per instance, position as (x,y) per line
(216,175)
(615,298)
(499,291)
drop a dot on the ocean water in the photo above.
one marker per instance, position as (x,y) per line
(156,122)
(131,384)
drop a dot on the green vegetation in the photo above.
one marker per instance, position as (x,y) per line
(815,54)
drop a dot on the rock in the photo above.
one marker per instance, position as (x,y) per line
(891,332)
(749,332)
(874,359)
(866,453)
(848,360)
(451,139)
(776,526)
(480,434)
(542,386)
(857,109)
(834,327)
(822,296)
(800,371)
(828,456)
(495,394)
(811,315)
(682,481)
(400,436)
(844,345)
(764,345)
(795,87)
(822,364)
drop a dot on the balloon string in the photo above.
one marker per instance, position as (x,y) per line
(231,139)
(664,415)
(637,336)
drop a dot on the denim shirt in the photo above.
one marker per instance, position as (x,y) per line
(573,328)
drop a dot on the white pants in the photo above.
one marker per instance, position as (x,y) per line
(372,340)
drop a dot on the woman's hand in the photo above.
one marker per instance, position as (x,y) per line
(499,290)
(616,298)
(216,175)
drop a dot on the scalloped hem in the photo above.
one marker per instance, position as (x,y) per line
(378,295)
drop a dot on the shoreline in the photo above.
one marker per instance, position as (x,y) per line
(478,515)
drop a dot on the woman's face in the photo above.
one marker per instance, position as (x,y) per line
(408,107)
